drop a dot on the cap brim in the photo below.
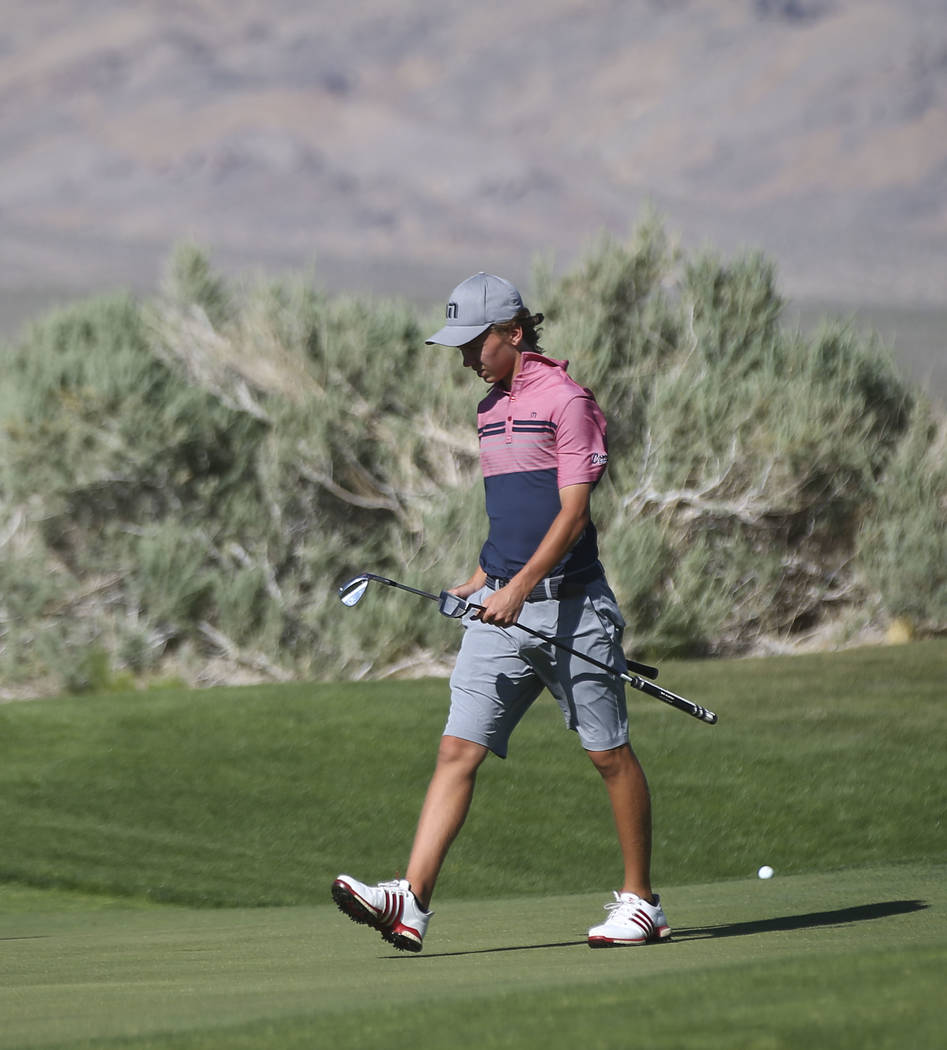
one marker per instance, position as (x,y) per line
(456,334)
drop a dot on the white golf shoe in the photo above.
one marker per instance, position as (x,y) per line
(631,920)
(390,907)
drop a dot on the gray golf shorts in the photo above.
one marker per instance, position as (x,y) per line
(500,671)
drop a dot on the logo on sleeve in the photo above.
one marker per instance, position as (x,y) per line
(599,459)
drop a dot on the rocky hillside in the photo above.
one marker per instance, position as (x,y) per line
(399,145)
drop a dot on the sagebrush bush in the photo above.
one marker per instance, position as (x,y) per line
(188,479)
(902,541)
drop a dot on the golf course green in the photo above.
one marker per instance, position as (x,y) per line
(167,857)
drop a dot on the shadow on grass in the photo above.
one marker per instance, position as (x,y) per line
(489,951)
(806,921)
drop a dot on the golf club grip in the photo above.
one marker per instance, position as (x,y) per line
(682,704)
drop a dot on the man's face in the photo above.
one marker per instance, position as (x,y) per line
(494,356)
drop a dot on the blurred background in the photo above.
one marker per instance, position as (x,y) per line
(253,214)
(395,147)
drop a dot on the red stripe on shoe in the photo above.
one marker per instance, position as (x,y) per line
(393,910)
(642,920)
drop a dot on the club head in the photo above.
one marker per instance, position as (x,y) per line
(351,593)
(452,606)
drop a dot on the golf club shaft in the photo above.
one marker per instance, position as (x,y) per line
(400,586)
(651,672)
(634,680)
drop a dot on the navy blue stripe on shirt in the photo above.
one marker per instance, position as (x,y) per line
(534,426)
(520,426)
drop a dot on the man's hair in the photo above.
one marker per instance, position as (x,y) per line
(528,322)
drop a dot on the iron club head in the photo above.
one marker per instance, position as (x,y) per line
(351,593)
(452,606)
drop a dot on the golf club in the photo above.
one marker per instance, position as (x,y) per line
(351,593)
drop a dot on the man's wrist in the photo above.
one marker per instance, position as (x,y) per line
(472,585)
(522,584)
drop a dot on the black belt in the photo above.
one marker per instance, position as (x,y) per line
(555,588)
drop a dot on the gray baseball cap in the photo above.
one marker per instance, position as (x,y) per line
(474,305)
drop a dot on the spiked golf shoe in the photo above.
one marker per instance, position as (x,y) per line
(631,920)
(390,907)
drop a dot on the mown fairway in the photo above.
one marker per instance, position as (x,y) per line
(830,768)
(854,959)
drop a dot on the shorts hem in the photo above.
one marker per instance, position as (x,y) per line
(474,740)
(603,747)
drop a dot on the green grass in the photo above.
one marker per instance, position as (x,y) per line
(853,959)
(123,817)
(256,796)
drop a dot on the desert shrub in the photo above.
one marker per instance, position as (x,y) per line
(192,476)
(745,453)
(902,542)
(190,283)
(232,468)
(28,592)
(613,320)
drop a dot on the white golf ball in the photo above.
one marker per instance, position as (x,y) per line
(766,872)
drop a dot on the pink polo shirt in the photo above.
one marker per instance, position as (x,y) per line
(543,434)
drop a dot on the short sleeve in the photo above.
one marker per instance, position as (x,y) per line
(581,441)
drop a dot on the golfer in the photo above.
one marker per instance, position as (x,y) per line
(542,450)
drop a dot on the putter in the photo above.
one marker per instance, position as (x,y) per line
(351,594)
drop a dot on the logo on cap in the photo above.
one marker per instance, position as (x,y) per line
(451,311)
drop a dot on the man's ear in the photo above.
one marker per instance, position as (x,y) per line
(516,336)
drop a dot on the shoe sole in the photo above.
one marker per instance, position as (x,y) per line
(357,910)
(353,906)
(603,942)
(404,942)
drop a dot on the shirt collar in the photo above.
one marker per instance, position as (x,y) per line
(533,367)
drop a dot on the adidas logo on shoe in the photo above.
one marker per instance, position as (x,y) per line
(390,907)
(631,920)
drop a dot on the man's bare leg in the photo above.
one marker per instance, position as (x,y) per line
(631,805)
(443,813)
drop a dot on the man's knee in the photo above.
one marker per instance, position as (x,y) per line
(614,761)
(457,752)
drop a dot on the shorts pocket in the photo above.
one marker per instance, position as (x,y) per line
(606,609)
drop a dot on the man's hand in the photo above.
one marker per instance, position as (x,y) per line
(503,607)
(464,590)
